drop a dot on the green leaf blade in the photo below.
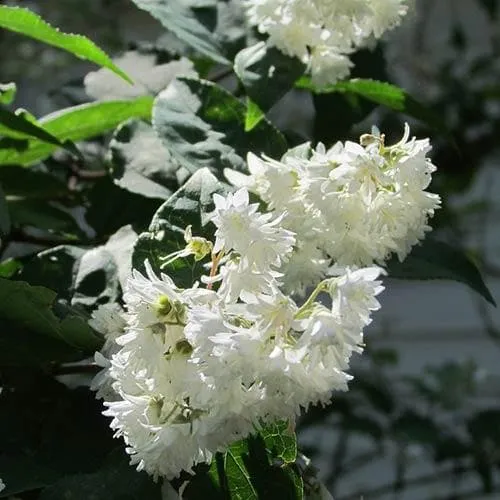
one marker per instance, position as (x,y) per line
(177,17)
(25,22)
(381,93)
(435,260)
(76,124)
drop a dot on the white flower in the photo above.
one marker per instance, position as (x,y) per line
(2,485)
(353,204)
(199,368)
(323,33)
(148,78)
(110,320)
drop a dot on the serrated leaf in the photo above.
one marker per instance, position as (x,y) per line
(435,260)
(280,440)
(382,93)
(27,129)
(141,163)
(30,24)
(178,18)
(76,124)
(266,73)
(251,470)
(7,92)
(190,205)
(203,125)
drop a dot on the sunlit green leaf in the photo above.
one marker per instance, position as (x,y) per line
(30,24)
(76,124)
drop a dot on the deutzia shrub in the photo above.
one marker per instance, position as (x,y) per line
(323,33)
(202,367)
(167,241)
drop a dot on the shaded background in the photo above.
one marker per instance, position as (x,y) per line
(422,418)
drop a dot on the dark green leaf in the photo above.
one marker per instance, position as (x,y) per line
(381,93)
(30,309)
(188,24)
(39,214)
(55,268)
(266,73)
(434,260)
(65,435)
(27,129)
(4,214)
(9,267)
(203,125)
(29,183)
(76,124)
(140,162)
(280,440)
(188,206)
(115,480)
(112,207)
(30,24)
(7,92)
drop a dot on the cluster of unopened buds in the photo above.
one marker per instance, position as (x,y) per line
(189,371)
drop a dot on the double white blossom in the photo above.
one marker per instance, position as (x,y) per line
(323,33)
(199,368)
(353,204)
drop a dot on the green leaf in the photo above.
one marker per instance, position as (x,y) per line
(141,163)
(42,215)
(9,267)
(253,115)
(39,447)
(261,466)
(84,278)
(4,215)
(190,205)
(7,92)
(27,129)
(115,480)
(203,125)
(382,93)
(187,23)
(28,183)
(434,260)
(112,207)
(29,309)
(76,124)
(30,24)
(55,268)
(280,440)
(266,73)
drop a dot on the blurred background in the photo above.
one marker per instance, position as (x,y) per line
(422,418)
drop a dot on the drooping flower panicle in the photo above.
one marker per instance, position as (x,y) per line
(353,204)
(323,33)
(199,368)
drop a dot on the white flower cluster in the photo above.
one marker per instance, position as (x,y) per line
(322,33)
(351,205)
(201,367)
